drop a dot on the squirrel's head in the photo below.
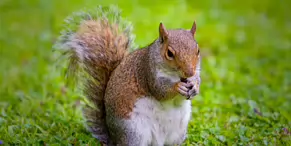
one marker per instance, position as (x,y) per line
(179,50)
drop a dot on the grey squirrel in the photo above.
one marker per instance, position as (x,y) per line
(136,98)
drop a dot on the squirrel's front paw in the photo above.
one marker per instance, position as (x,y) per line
(183,88)
(192,86)
(194,90)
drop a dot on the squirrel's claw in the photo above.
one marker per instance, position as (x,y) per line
(182,88)
(193,91)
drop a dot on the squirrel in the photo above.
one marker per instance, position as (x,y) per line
(136,98)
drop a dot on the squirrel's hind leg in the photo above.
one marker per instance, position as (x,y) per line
(129,132)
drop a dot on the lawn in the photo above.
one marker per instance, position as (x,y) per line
(245,94)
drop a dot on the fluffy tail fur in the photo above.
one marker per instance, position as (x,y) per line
(96,42)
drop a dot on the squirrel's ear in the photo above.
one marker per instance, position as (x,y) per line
(163,32)
(193,29)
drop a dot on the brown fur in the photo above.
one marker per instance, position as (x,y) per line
(98,47)
(127,84)
(133,78)
(136,77)
(117,80)
(186,56)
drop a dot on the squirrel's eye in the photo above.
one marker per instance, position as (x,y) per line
(170,54)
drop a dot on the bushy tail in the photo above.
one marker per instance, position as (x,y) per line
(96,42)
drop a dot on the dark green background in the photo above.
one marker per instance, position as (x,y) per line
(246,72)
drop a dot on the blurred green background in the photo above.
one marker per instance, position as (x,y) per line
(246,73)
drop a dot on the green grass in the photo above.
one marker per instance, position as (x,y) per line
(246,73)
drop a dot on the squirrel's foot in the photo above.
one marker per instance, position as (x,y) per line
(183,88)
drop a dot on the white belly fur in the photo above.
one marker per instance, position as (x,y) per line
(162,123)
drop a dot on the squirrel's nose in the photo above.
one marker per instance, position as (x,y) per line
(189,73)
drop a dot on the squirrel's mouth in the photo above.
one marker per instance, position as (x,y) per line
(184,80)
